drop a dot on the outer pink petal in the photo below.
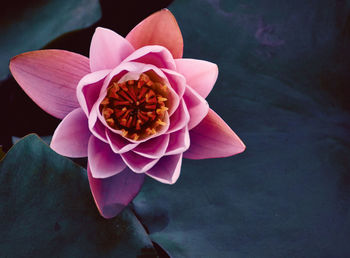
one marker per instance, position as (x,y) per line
(102,160)
(197,107)
(137,163)
(118,143)
(153,148)
(200,75)
(50,78)
(72,135)
(213,138)
(160,28)
(179,118)
(167,170)
(108,49)
(114,193)
(179,142)
(88,89)
(153,55)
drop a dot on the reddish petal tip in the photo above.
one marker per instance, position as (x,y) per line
(160,28)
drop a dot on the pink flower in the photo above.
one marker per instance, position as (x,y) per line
(135,108)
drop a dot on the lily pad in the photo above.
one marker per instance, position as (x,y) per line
(284,68)
(29,25)
(47,210)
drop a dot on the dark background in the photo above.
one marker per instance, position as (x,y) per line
(283,87)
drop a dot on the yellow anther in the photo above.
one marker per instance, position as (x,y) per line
(124,132)
(160,122)
(144,77)
(161,99)
(135,136)
(107,112)
(105,101)
(116,86)
(161,110)
(150,131)
(110,121)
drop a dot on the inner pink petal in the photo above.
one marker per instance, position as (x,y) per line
(179,142)
(167,170)
(137,163)
(153,148)
(180,118)
(89,88)
(155,55)
(197,107)
(118,143)
(177,81)
(97,128)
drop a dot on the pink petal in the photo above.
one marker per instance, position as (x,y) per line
(200,75)
(137,163)
(213,138)
(118,143)
(113,194)
(167,170)
(50,78)
(97,128)
(153,148)
(103,161)
(179,142)
(197,107)
(108,49)
(72,135)
(153,55)
(177,81)
(179,118)
(89,88)
(161,29)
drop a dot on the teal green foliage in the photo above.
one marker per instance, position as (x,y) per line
(283,87)
(47,210)
(30,25)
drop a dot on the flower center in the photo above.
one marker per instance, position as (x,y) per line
(136,107)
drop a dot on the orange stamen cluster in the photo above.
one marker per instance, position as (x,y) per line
(136,107)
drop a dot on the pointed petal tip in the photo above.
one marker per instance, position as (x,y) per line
(200,75)
(113,194)
(213,138)
(49,77)
(160,28)
(108,49)
(167,170)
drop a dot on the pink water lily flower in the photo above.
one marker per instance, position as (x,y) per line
(134,108)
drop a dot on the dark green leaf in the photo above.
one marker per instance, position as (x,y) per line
(29,25)
(47,210)
(284,88)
